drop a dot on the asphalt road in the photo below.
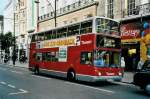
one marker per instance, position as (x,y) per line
(19,83)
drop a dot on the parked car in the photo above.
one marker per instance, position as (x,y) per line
(142,78)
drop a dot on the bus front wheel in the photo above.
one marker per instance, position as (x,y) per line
(71,76)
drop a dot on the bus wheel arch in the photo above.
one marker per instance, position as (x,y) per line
(71,74)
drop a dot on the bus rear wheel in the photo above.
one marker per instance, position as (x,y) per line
(71,76)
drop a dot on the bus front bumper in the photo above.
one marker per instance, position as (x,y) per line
(107,78)
(98,78)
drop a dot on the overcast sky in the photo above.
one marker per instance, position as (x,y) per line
(2,5)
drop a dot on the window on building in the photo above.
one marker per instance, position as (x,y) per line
(110,8)
(131,7)
(42,10)
(23,27)
(48,8)
(16,16)
(23,13)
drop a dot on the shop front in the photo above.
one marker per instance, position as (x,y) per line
(130,39)
(135,39)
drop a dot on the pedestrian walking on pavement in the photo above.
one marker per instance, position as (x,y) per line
(14,59)
(140,64)
(122,65)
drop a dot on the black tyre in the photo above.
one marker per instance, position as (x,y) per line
(71,76)
(147,89)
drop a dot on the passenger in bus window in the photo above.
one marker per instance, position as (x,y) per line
(88,61)
(100,62)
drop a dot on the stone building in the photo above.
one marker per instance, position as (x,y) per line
(21,29)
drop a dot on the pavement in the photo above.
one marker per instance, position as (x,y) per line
(128,76)
(17,63)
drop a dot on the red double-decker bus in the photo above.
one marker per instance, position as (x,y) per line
(88,50)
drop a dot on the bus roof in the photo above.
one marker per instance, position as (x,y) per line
(87,19)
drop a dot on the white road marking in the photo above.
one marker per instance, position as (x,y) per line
(41,77)
(21,91)
(125,84)
(4,83)
(99,89)
(16,72)
(11,86)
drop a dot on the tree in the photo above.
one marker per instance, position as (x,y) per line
(6,41)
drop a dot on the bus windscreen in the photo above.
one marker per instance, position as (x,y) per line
(108,42)
(106,58)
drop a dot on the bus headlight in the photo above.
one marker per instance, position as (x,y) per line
(99,73)
(119,73)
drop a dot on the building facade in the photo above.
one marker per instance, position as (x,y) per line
(135,32)
(76,10)
(21,30)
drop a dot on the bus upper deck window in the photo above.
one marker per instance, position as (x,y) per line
(33,38)
(86,27)
(73,30)
(48,35)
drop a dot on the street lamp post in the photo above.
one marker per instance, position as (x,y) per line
(14,49)
(55,14)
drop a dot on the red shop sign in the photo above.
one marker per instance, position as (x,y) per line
(130,31)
